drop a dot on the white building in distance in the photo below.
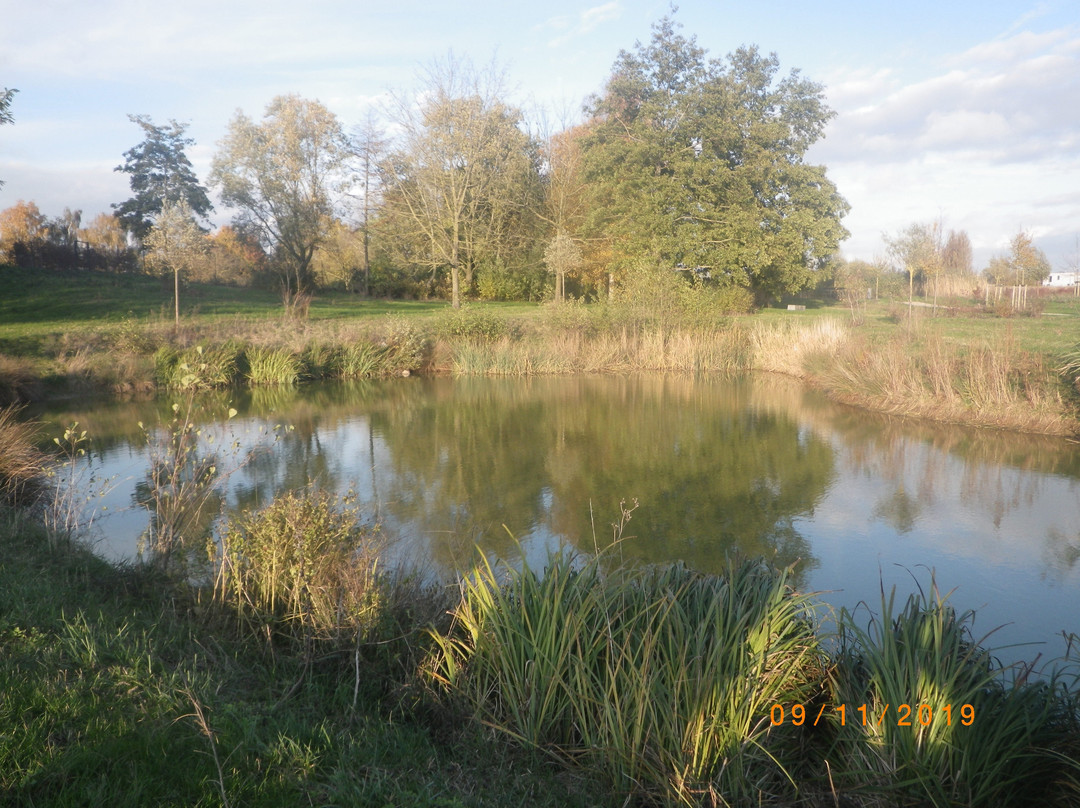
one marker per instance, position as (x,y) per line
(1070,278)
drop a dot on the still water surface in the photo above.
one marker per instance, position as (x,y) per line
(759,465)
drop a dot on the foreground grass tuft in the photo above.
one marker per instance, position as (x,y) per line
(659,680)
(943,724)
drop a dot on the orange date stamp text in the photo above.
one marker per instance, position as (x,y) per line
(902,715)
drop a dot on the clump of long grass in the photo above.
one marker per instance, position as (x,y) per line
(22,465)
(197,368)
(302,568)
(939,723)
(270,366)
(360,360)
(660,680)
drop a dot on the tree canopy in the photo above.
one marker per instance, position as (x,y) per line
(701,163)
(6,95)
(282,175)
(463,173)
(160,173)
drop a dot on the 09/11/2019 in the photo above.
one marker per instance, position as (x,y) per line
(903,715)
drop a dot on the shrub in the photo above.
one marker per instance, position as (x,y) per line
(302,568)
(474,322)
(407,347)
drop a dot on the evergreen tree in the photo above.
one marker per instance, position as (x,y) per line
(160,173)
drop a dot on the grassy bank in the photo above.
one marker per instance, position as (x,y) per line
(122,686)
(955,364)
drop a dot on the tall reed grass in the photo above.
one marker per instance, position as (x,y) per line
(967,736)
(791,347)
(988,384)
(659,680)
(22,465)
(621,351)
(271,366)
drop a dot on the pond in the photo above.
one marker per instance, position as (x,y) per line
(760,465)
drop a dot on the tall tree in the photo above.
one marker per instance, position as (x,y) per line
(6,96)
(957,256)
(564,208)
(459,173)
(369,146)
(283,175)
(160,173)
(701,163)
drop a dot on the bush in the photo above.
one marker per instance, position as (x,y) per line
(302,568)
(407,348)
(660,296)
(475,322)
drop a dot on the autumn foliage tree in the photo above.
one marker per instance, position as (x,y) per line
(460,178)
(283,175)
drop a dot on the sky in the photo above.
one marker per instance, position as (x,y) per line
(962,111)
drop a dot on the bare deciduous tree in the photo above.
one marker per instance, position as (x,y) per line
(460,156)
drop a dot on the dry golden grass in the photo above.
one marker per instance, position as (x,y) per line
(790,347)
(986,385)
(22,464)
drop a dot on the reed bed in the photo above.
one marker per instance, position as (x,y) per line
(659,680)
(942,723)
(792,347)
(621,351)
(988,385)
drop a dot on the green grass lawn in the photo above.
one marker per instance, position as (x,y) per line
(1053,333)
(35,305)
(103,672)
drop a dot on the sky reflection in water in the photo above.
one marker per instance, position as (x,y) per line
(759,465)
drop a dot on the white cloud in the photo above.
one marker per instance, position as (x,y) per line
(587,21)
(985,139)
